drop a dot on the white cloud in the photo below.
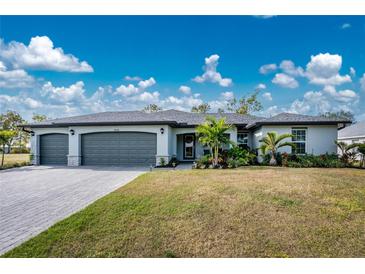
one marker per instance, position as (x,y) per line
(352,72)
(127,90)
(133,90)
(132,78)
(40,54)
(346,26)
(185,89)
(146,83)
(323,69)
(19,102)
(289,68)
(362,82)
(345,96)
(285,81)
(328,99)
(16,78)
(260,86)
(265,69)
(146,97)
(267,96)
(73,102)
(264,16)
(184,103)
(210,73)
(74,92)
(228,95)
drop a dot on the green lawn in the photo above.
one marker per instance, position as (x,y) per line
(249,212)
(14,160)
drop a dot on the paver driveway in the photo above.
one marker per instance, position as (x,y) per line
(34,198)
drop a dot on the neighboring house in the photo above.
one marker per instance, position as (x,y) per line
(136,137)
(353,134)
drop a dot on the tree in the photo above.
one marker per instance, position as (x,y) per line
(346,115)
(10,121)
(39,117)
(245,105)
(152,108)
(213,133)
(220,110)
(272,142)
(5,136)
(202,108)
(348,152)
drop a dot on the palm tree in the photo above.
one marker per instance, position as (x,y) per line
(272,142)
(348,151)
(213,134)
(361,150)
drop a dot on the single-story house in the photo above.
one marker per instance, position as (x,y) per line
(353,134)
(140,138)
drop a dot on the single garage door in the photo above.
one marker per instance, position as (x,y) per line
(53,149)
(119,148)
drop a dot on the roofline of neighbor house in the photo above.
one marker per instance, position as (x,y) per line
(259,124)
(351,137)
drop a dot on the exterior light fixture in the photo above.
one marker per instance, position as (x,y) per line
(72,132)
(162,130)
(32,133)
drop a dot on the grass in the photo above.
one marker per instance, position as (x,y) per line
(15,160)
(249,212)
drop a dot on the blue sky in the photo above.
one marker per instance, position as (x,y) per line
(67,65)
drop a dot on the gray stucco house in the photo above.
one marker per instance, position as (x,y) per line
(353,134)
(136,137)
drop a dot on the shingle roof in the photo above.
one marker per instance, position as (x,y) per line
(355,130)
(173,117)
(291,118)
(178,118)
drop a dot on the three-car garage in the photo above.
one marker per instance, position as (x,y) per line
(101,148)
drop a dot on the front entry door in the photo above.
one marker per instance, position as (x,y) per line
(189,146)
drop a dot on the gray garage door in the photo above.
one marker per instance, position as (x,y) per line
(53,149)
(119,148)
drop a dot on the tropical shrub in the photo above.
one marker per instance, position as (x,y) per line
(162,162)
(272,142)
(361,150)
(213,133)
(309,160)
(348,152)
(243,156)
(204,161)
(267,158)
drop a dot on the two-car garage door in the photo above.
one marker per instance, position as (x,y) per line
(119,148)
(104,148)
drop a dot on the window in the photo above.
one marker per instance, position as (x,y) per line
(242,138)
(299,139)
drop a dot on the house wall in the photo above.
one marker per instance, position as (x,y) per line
(320,138)
(74,154)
